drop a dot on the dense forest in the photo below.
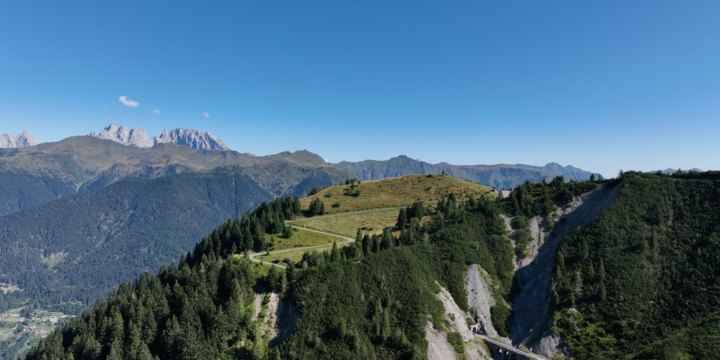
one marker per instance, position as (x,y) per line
(372,298)
(642,278)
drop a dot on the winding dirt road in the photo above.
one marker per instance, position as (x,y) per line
(347,240)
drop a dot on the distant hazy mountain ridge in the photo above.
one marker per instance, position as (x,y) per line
(568,172)
(191,138)
(672,171)
(501,175)
(22,140)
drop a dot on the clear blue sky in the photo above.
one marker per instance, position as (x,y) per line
(601,85)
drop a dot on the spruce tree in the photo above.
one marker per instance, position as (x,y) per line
(334,253)
(402,220)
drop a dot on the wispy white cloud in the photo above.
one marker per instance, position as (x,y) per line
(206,115)
(128,102)
(156,112)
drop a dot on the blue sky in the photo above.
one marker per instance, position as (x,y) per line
(601,85)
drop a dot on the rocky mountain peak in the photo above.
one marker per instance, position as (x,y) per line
(192,138)
(22,140)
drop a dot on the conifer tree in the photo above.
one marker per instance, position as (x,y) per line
(402,220)
(334,253)
(284,282)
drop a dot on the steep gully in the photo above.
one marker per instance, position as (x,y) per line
(531,324)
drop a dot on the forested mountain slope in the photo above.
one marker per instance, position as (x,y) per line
(79,247)
(47,171)
(372,299)
(641,280)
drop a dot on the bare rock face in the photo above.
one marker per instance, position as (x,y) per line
(136,136)
(195,139)
(22,140)
(125,136)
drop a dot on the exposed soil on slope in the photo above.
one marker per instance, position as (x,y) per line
(438,346)
(480,299)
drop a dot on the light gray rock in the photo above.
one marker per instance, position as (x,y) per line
(480,299)
(191,138)
(438,346)
(195,139)
(22,140)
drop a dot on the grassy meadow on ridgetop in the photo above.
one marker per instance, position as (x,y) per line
(369,222)
(394,192)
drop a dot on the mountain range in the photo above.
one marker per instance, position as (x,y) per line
(88,200)
(191,138)
(501,175)
(568,172)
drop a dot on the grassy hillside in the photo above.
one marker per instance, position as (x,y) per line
(300,238)
(394,192)
(370,222)
(294,255)
(642,278)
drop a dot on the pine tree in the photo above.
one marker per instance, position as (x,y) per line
(144,353)
(116,352)
(388,240)
(272,278)
(402,220)
(366,245)
(297,208)
(334,253)
(283,282)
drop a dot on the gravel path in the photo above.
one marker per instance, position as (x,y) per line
(347,240)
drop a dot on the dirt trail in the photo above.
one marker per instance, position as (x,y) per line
(345,241)
(532,322)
